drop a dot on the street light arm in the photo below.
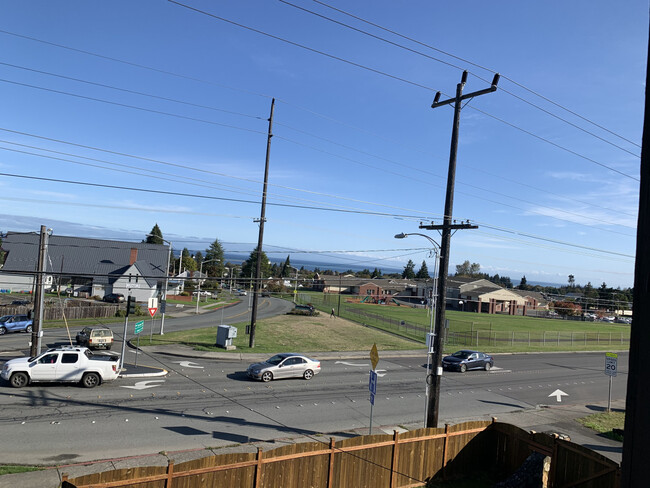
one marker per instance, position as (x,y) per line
(430,239)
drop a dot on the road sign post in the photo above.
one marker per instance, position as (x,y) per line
(137,329)
(611,366)
(372,385)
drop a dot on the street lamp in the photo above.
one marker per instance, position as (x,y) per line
(430,400)
(198,294)
(295,285)
(164,298)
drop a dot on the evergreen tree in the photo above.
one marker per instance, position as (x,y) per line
(188,261)
(376,273)
(409,270)
(286,268)
(155,236)
(423,272)
(250,265)
(214,254)
(522,284)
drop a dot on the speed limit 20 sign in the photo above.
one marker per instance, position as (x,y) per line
(610,363)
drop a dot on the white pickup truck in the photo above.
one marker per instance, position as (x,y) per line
(62,364)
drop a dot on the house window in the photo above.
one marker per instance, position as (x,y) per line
(136,278)
(129,278)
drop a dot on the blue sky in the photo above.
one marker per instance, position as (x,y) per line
(357,155)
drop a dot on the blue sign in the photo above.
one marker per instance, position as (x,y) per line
(372,386)
(372,399)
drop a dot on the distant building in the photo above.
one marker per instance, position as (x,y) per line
(85,266)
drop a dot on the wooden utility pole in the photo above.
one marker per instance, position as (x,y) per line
(37,319)
(258,268)
(446,228)
(636,449)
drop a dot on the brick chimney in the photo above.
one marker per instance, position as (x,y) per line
(134,256)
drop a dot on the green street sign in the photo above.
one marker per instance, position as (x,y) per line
(139,326)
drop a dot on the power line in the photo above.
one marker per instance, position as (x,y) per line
(135,107)
(383,73)
(490,70)
(207,197)
(195,182)
(133,92)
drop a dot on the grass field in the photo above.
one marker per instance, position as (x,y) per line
(492,332)
(296,333)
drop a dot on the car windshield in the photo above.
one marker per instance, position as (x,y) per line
(275,360)
(461,354)
(102,333)
(4,318)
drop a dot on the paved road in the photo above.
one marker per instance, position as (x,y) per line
(182,318)
(206,401)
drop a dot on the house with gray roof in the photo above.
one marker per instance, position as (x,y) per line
(93,266)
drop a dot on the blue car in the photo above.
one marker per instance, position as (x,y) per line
(15,323)
(466,359)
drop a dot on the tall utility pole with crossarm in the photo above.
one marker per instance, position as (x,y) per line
(446,228)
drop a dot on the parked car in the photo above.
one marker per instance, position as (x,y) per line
(114,298)
(466,359)
(242,293)
(285,365)
(95,338)
(20,302)
(15,323)
(65,364)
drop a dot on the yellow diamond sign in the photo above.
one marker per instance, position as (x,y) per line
(374,356)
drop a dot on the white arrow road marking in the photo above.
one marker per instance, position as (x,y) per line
(558,394)
(189,364)
(143,385)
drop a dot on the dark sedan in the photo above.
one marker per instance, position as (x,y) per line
(466,359)
(114,298)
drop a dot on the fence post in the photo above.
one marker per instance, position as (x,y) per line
(258,468)
(444,451)
(393,466)
(330,474)
(170,474)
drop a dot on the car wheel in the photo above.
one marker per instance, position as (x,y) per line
(3,330)
(267,376)
(18,380)
(108,348)
(487,366)
(463,368)
(308,374)
(28,329)
(90,380)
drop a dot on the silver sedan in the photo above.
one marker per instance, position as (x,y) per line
(286,365)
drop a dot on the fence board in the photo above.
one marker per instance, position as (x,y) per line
(377,461)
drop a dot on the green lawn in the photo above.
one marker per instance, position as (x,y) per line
(296,333)
(604,423)
(494,332)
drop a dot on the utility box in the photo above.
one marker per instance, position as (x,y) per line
(225,335)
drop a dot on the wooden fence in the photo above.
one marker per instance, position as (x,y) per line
(405,460)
